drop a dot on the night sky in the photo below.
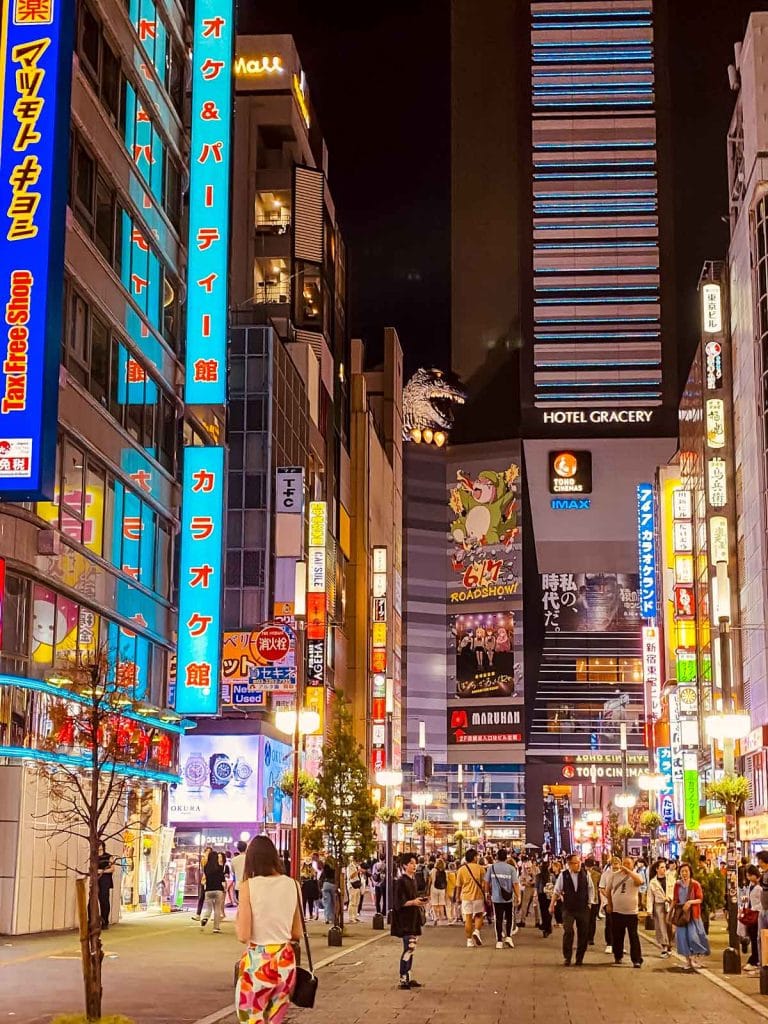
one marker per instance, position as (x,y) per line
(379,77)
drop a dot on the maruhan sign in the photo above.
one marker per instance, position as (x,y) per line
(560,416)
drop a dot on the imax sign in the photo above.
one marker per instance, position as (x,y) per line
(570,504)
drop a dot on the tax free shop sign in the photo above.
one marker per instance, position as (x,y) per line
(35,82)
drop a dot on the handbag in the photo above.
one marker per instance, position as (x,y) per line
(748,917)
(305,987)
(679,916)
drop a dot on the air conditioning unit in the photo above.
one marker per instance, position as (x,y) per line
(49,542)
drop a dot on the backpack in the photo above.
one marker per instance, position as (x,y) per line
(422,875)
(441,879)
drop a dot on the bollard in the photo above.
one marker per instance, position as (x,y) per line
(378,922)
(334,936)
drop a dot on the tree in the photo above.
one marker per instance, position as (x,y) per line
(95,718)
(343,805)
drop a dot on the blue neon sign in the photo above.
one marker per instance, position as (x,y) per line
(209,203)
(198,662)
(35,86)
(646,550)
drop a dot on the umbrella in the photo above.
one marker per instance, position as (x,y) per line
(531,846)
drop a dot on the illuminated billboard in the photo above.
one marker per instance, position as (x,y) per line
(219,781)
(209,203)
(484,646)
(200,582)
(36,45)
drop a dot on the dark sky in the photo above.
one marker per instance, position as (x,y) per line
(379,80)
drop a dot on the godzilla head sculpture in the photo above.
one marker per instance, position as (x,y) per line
(427,406)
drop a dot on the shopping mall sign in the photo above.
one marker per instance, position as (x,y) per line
(35,84)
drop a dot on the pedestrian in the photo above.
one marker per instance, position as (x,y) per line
(504,883)
(354,887)
(594,907)
(379,878)
(545,888)
(614,864)
(762,865)
(407,907)
(437,892)
(238,866)
(310,890)
(575,891)
(642,869)
(106,867)
(692,942)
(229,877)
(268,922)
(659,902)
(422,877)
(623,905)
(471,891)
(528,872)
(215,883)
(750,916)
(201,885)
(557,870)
(329,890)
(451,905)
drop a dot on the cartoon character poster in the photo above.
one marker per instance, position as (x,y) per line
(54,626)
(485,655)
(484,534)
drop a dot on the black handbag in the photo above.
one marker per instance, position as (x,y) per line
(305,988)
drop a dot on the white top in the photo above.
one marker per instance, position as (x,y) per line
(238,868)
(273,903)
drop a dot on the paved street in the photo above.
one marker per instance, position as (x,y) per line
(161,970)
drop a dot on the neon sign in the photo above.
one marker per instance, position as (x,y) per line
(646,545)
(209,203)
(254,67)
(200,583)
(35,88)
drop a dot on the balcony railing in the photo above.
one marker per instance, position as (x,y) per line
(269,225)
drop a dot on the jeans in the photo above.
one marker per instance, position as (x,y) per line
(200,900)
(502,914)
(406,957)
(329,901)
(214,903)
(579,918)
(621,923)
(381,897)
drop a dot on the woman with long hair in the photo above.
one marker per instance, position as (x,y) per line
(659,902)
(692,941)
(268,921)
(201,884)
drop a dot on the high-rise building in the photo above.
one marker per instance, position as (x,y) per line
(581,212)
(94,254)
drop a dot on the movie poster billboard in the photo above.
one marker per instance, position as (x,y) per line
(484,538)
(484,649)
(600,602)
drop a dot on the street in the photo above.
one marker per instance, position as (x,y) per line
(162,970)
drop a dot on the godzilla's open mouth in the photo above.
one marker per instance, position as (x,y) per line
(444,406)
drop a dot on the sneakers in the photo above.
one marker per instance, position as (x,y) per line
(404,984)
(665,954)
(470,944)
(217,931)
(415,984)
(609,949)
(204,922)
(499,945)
(195,917)
(638,965)
(515,928)
(508,942)
(476,938)
(696,961)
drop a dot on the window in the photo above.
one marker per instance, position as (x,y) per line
(101,65)
(172,191)
(89,38)
(83,178)
(104,221)
(175,76)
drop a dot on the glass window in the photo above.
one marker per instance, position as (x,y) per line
(233,569)
(163,561)
(602,670)
(72,468)
(16,615)
(99,359)
(105,218)
(90,37)
(93,531)
(85,176)
(111,82)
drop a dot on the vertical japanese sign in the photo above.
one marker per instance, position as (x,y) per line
(378,658)
(200,583)
(646,550)
(652,668)
(316,593)
(35,84)
(209,203)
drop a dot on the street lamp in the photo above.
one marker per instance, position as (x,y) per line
(625,800)
(285,721)
(460,817)
(733,726)
(422,800)
(389,778)
(652,782)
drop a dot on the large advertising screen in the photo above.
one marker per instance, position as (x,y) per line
(600,602)
(485,658)
(219,781)
(276,760)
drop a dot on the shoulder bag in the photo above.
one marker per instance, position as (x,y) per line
(679,916)
(305,988)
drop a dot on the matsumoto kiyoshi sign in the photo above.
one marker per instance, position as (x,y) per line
(35,82)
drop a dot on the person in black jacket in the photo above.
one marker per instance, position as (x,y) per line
(214,877)
(406,917)
(575,888)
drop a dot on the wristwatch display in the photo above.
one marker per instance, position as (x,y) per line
(195,772)
(220,771)
(242,771)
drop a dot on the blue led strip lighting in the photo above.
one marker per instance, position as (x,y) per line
(200,582)
(85,762)
(569,397)
(646,382)
(35,87)
(209,203)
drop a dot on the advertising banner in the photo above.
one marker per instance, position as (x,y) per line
(219,781)
(257,661)
(570,472)
(591,602)
(646,550)
(276,760)
(485,542)
(485,723)
(485,658)
(35,90)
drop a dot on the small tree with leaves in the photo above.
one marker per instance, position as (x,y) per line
(88,800)
(343,807)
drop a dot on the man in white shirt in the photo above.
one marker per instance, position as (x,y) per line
(238,867)
(574,887)
(623,897)
(614,864)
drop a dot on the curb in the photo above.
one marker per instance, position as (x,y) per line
(229,1011)
(753,1005)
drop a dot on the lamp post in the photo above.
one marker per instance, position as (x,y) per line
(390,779)
(422,800)
(460,817)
